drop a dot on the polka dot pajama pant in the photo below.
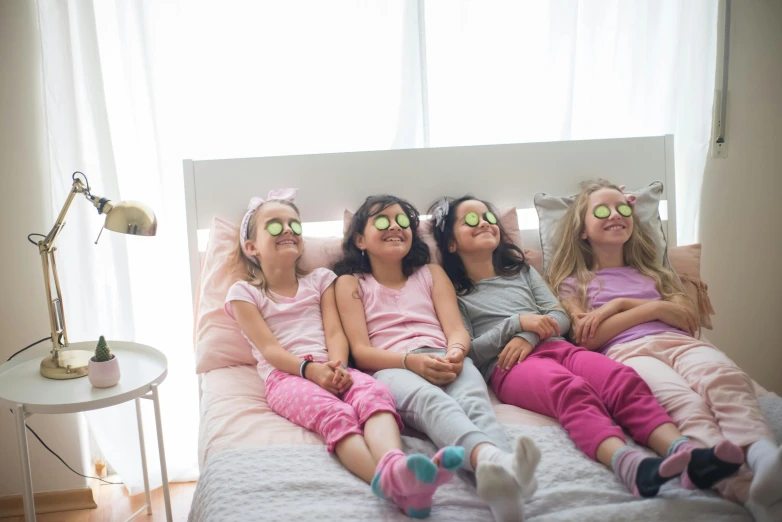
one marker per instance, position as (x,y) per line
(332,417)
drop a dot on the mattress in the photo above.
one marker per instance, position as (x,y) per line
(259,466)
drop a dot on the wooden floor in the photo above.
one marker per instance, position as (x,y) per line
(115,505)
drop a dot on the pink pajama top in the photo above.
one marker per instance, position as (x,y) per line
(402,320)
(296,322)
(613,283)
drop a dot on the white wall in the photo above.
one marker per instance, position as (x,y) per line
(741,212)
(24,209)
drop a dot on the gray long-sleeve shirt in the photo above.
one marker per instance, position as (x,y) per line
(491,314)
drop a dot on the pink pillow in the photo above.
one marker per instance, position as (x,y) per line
(218,339)
(508,218)
(685,261)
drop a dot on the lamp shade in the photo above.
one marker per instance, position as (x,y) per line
(131,217)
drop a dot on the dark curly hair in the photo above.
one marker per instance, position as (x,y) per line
(507,258)
(354,262)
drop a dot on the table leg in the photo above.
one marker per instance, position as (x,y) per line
(161,449)
(21,436)
(143,455)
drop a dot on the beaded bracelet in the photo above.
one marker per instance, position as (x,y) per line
(459,346)
(404,358)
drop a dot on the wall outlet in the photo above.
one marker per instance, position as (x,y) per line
(718,150)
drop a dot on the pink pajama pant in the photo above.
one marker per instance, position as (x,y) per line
(709,398)
(333,417)
(584,391)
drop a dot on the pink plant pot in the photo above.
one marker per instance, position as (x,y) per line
(104,374)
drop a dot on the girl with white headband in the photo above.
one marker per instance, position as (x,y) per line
(290,318)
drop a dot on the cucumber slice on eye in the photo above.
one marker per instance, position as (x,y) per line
(490,218)
(296,227)
(472,219)
(274,228)
(625,210)
(382,223)
(402,220)
(602,212)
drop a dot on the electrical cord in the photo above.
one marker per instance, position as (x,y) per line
(39,438)
(33,242)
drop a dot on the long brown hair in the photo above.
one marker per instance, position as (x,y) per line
(250,269)
(573,256)
(507,259)
(355,261)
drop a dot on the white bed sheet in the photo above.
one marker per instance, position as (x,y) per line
(259,466)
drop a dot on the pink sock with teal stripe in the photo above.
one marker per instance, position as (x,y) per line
(411,481)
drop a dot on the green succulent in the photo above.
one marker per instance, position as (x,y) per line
(102,352)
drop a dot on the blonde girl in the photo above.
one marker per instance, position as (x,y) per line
(628,307)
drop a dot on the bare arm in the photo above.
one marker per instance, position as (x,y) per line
(255,328)
(614,325)
(677,311)
(336,342)
(354,321)
(447,309)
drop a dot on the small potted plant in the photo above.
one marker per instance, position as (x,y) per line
(103,366)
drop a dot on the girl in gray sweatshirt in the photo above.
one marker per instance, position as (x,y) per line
(517,329)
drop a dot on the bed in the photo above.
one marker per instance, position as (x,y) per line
(256,465)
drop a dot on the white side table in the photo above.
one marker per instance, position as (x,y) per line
(27,392)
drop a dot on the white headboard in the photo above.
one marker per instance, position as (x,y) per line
(506,175)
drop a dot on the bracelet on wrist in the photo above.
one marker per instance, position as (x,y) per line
(404,360)
(460,346)
(303,366)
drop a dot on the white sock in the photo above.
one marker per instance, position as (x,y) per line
(526,457)
(764,513)
(496,486)
(520,465)
(765,460)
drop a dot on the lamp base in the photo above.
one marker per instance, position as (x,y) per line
(70,364)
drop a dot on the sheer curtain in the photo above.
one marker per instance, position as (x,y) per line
(133,87)
(508,71)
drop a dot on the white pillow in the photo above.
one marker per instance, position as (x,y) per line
(551,209)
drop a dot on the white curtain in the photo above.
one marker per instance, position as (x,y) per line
(133,87)
(510,71)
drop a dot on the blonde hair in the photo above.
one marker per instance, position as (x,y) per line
(573,256)
(249,270)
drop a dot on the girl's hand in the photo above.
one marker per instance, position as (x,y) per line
(514,352)
(322,375)
(677,315)
(543,325)
(432,368)
(342,378)
(455,356)
(586,323)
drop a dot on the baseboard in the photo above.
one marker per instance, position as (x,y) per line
(49,502)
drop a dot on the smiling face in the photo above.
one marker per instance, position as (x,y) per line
(385,236)
(616,228)
(473,231)
(275,236)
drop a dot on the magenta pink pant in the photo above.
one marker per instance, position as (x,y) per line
(332,417)
(584,391)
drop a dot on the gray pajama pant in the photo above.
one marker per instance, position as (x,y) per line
(458,414)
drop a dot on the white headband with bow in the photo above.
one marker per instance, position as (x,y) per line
(285,194)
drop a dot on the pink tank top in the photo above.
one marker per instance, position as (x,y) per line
(402,320)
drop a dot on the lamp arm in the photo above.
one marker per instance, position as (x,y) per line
(47,244)
(46,249)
